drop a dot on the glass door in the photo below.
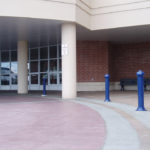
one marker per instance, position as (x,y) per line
(34,69)
(45,62)
(5,70)
(8,70)
(54,67)
(13,70)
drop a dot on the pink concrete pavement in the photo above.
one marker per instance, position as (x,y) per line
(48,125)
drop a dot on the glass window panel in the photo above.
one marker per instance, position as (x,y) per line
(28,79)
(53,65)
(34,78)
(34,53)
(5,56)
(44,53)
(13,55)
(5,68)
(53,78)
(60,65)
(34,66)
(53,52)
(28,65)
(5,80)
(43,66)
(43,75)
(59,50)
(14,78)
(60,78)
(14,67)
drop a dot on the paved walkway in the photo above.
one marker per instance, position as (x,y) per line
(125,97)
(36,123)
(126,128)
(124,104)
(86,123)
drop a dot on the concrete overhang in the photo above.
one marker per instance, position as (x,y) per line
(44,32)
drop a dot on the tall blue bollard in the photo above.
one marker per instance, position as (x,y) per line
(140,81)
(107,99)
(44,87)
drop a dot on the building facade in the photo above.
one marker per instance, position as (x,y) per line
(73,43)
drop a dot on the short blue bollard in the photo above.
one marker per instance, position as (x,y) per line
(140,81)
(44,87)
(107,99)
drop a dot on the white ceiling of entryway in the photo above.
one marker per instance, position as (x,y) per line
(117,35)
(43,32)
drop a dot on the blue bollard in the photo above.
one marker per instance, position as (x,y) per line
(44,87)
(140,81)
(107,99)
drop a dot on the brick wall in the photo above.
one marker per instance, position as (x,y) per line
(127,59)
(92,61)
(95,59)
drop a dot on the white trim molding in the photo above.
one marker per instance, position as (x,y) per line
(100,86)
(91,86)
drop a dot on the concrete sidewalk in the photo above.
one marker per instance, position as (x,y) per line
(86,123)
(124,135)
(125,103)
(125,97)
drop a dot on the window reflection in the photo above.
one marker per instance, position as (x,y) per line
(5,68)
(60,78)
(5,56)
(53,65)
(34,79)
(34,66)
(59,50)
(14,78)
(5,79)
(43,66)
(47,62)
(13,55)
(14,67)
(60,65)
(14,71)
(53,52)
(53,78)
(44,53)
(9,67)
(34,54)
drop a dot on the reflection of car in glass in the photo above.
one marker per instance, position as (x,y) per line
(5,76)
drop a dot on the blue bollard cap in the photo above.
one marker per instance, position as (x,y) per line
(140,73)
(106,75)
